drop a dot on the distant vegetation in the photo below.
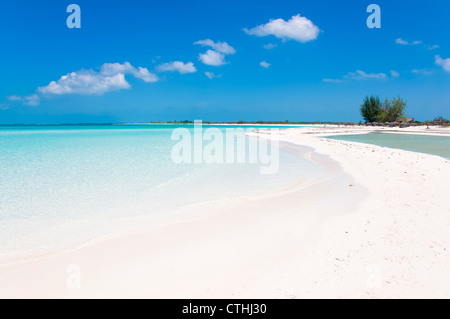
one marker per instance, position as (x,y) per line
(250,122)
(372,110)
(441,120)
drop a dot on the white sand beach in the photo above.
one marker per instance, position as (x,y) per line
(374,225)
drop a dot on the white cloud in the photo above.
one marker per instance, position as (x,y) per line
(85,82)
(297,28)
(15,98)
(4,106)
(361,75)
(216,56)
(264,64)
(111,69)
(211,75)
(111,77)
(404,42)
(30,100)
(395,74)
(401,41)
(426,46)
(444,63)
(432,47)
(178,66)
(114,68)
(333,80)
(269,46)
(144,74)
(218,46)
(422,71)
(212,57)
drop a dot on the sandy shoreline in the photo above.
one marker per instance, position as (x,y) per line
(376,225)
(326,130)
(397,241)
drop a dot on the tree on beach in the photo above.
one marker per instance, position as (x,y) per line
(440,120)
(393,111)
(371,109)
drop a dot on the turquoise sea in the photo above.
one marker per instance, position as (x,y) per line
(63,186)
(435,145)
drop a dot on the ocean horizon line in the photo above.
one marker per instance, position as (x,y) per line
(171,123)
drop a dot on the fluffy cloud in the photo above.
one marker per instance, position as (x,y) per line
(444,63)
(85,82)
(31,100)
(211,75)
(178,66)
(144,74)
(264,64)
(361,75)
(404,42)
(297,28)
(212,57)
(221,47)
(216,56)
(395,74)
(111,77)
(112,69)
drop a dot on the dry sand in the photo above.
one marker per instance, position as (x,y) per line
(374,225)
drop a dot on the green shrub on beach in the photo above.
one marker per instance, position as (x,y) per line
(393,111)
(371,109)
(390,111)
(440,120)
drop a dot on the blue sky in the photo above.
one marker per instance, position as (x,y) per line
(253,60)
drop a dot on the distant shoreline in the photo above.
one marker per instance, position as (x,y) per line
(243,123)
(169,123)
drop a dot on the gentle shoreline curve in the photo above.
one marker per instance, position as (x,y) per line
(212,255)
(376,228)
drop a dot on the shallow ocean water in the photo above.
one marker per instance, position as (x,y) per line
(435,145)
(64,186)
